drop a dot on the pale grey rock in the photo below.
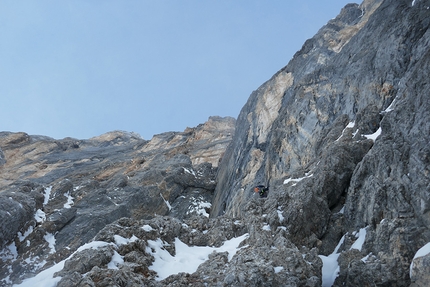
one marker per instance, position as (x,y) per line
(420,271)
(92,183)
(2,158)
(340,136)
(310,125)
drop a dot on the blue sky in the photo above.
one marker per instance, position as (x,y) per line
(82,68)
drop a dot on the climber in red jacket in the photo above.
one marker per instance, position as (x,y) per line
(261,190)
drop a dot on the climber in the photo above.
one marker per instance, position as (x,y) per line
(261,190)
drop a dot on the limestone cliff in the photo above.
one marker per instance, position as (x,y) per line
(344,127)
(340,135)
(70,189)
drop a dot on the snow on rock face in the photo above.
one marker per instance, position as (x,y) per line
(39,216)
(50,238)
(26,233)
(331,264)
(187,258)
(330,269)
(375,135)
(199,206)
(46,278)
(47,194)
(147,228)
(281,217)
(322,112)
(361,237)
(296,180)
(69,202)
(166,202)
(350,125)
(420,266)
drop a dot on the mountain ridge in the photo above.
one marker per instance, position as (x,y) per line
(340,135)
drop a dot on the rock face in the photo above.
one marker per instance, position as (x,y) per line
(340,135)
(66,191)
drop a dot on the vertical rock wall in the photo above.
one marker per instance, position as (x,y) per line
(341,135)
(280,128)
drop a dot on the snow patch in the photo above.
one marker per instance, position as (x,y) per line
(50,238)
(330,269)
(9,252)
(189,171)
(365,258)
(26,233)
(40,216)
(115,261)
(199,206)
(47,194)
(278,269)
(350,125)
(167,203)
(374,135)
(266,227)
(361,236)
(46,277)
(69,202)
(391,106)
(282,227)
(119,240)
(423,251)
(296,180)
(187,258)
(281,217)
(147,228)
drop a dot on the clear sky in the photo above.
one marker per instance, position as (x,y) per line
(85,67)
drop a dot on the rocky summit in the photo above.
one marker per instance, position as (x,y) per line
(340,136)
